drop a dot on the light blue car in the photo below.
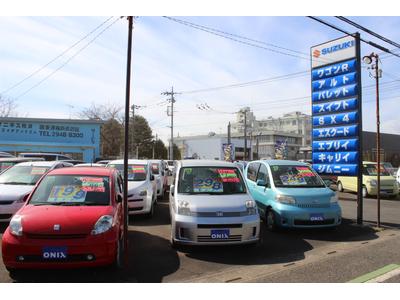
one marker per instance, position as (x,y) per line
(291,194)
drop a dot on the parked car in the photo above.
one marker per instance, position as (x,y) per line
(398,177)
(170,166)
(46,156)
(90,165)
(73,161)
(210,205)
(8,162)
(159,173)
(73,218)
(18,181)
(388,184)
(142,191)
(241,164)
(291,194)
(5,154)
(103,162)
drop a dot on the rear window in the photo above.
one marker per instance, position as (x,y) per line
(155,169)
(23,175)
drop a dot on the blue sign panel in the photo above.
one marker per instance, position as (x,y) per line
(332,132)
(335,106)
(335,157)
(336,115)
(338,119)
(336,93)
(338,170)
(334,70)
(334,82)
(335,145)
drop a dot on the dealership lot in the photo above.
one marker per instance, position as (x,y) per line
(151,259)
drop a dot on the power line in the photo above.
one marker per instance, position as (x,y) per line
(368,31)
(66,62)
(348,33)
(55,58)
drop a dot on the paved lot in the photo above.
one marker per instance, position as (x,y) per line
(153,260)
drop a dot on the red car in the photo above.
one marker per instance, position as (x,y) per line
(73,218)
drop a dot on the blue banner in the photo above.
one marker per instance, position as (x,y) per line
(338,170)
(335,106)
(332,94)
(334,70)
(335,157)
(334,82)
(335,145)
(333,132)
(338,119)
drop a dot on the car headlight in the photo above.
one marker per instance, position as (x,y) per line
(285,199)
(251,207)
(103,224)
(334,198)
(143,193)
(373,182)
(16,225)
(183,208)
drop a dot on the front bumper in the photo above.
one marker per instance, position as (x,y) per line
(199,230)
(8,210)
(139,205)
(102,248)
(385,190)
(308,217)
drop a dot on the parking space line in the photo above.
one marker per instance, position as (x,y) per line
(385,277)
(375,274)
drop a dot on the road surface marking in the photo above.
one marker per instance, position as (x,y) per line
(375,274)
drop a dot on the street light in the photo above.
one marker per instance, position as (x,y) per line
(369,59)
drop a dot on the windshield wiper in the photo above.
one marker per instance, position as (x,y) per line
(17,183)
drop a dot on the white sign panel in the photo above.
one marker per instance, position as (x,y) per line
(333,51)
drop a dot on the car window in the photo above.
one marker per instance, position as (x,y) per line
(23,175)
(263,174)
(295,176)
(210,180)
(252,171)
(135,172)
(73,190)
(372,170)
(155,169)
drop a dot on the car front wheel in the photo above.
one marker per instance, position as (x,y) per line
(340,186)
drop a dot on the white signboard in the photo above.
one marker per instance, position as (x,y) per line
(333,51)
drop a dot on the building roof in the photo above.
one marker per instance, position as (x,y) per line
(205,163)
(44,120)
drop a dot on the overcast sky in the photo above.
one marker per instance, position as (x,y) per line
(167,54)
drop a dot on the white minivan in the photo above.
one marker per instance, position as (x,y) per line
(158,170)
(142,191)
(210,204)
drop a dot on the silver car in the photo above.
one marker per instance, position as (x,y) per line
(18,181)
(210,204)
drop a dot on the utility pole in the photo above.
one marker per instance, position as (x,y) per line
(154,145)
(378,73)
(245,135)
(171,114)
(133,107)
(229,132)
(126,145)
(257,147)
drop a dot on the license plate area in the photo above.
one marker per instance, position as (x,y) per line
(316,217)
(54,253)
(220,234)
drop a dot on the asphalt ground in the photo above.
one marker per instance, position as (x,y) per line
(151,259)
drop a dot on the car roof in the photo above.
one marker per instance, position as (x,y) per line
(130,161)
(20,159)
(100,171)
(41,163)
(205,163)
(280,162)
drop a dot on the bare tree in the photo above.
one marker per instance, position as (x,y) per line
(7,107)
(105,112)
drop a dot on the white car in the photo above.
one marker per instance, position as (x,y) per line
(142,190)
(158,170)
(210,204)
(398,176)
(18,181)
(171,166)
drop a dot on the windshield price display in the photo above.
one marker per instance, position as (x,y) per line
(67,193)
(336,110)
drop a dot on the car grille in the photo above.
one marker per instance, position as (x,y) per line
(5,216)
(219,225)
(70,258)
(311,223)
(314,205)
(208,239)
(6,202)
(54,236)
(221,214)
(135,200)
(135,208)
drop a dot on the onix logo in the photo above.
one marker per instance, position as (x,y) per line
(316,53)
(54,255)
(219,236)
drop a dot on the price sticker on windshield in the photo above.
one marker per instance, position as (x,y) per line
(207,185)
(92,184)
(292,180)
(304,171)
(67,193)
(228,175)
(138,169)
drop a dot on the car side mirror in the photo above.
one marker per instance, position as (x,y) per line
(171,189)
(261,182)
(151,177)
(119,198)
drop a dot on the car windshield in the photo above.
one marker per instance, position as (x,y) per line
(24,175)
(136,172)
(155,169)
(372,170)
(210,180)
(5,165)
(72,190)
(295,177)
